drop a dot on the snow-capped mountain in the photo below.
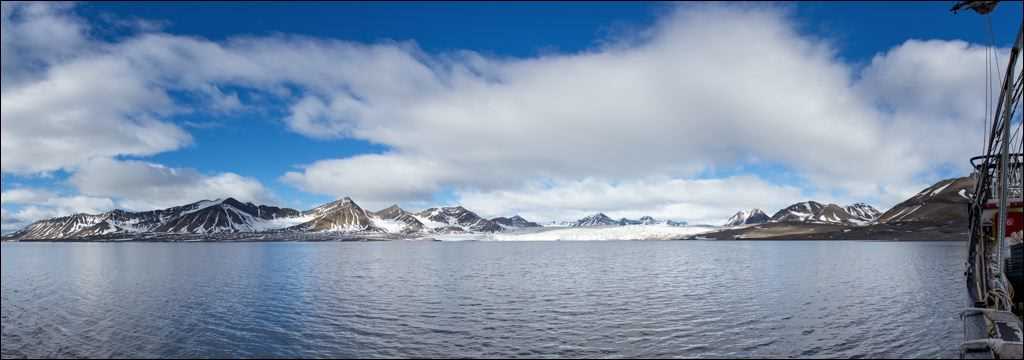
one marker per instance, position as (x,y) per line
(676,223)
(799,212)
(396,220)
(515,222)
(943,202)
(455,219)
(815,212)
(625,221)
(204,217)
(339,216)
(863,212)
(748,217)
(598,219)
(221,216)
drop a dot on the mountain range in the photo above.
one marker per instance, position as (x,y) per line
(940,204)
(939,212)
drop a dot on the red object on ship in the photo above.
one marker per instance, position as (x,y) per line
(1014,221)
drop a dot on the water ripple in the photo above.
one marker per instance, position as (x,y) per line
(482,300)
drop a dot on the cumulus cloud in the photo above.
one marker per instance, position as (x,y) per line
(682,100)
(706,201)
(139,185)
(386,178)
(36,35)
(65,102)
(37,204)
(25,196)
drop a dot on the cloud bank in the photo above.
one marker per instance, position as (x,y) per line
(627,128)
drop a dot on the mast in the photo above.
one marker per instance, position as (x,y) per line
(1004,158)
(991,328)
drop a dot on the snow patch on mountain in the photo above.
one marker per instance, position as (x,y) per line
(748,217)
(598,219)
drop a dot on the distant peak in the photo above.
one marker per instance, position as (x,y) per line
(231,201)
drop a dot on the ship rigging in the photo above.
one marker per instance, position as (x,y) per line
(992,323)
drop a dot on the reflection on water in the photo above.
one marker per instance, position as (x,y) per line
(478,299)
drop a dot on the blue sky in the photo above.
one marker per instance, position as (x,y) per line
(302,156)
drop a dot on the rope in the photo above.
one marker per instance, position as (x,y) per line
(988,99)
(995,67)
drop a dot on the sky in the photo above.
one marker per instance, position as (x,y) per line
(552,111)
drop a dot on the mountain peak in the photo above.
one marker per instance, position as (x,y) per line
(748,217)
(943,202)
(514,222)
(598,219)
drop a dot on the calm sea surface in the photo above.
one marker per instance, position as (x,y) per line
(483,299)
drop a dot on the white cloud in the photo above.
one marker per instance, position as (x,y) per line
(384,178)
(708,201)
(8,223)
(685,99)
(64,103)
(37,204)
(36,35)
(707,87)
(25,196)
(138,185)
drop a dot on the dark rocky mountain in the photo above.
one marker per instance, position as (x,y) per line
(815,212)
(939,212)
(456,219)
(340,216)
(625,221)
(598,219)
(799,212)
(407,219)
(748,217)
(864,212)
(676,223)
(644,220)
(942,203)
(77,225)
(203,217)
(515,222)
(221,216)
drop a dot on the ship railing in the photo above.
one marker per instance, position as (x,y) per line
(988,166)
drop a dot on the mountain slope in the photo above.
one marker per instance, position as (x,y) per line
(598,219)
(799,212)
(515,222)
(339,216)
(749,217)
(455,219)
(815,212)
(863,212)
(204,217)
(944,202)
(939,212)
(396,220)
(221,216)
